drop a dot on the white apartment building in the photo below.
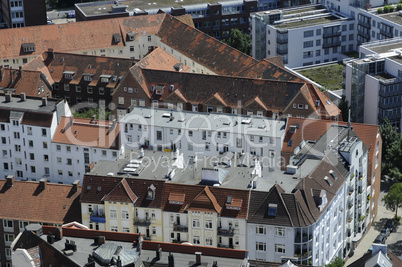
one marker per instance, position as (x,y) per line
(27,127)
(319,211)
(303,36)
(204,134)
(373,83)
(327,31)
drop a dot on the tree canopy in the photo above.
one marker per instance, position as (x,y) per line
(391,151)
(337,262)
(393,200)
(238,40)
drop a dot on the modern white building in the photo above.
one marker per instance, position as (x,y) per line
(204,134)
(373,83)
(327,31)
(317,209)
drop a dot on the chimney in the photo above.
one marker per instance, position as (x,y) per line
(42,183)
(101,240)
(215,264)
(198,258)
(158,253)
(50,239)
(139,242)
(76,184)
(8,97)
(20,72)
(58,233)
(171,260)
(44,101)
(23,97)
(10,180)
(93,119)
(112,126)
(50,53)
(1,72)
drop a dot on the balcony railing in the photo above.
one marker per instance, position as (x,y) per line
(390,105)
(225,232)
(97,218)
(364,24)
(180,228)
(331,44)
(224,246)
(332,34)
(386,33)
(142,222)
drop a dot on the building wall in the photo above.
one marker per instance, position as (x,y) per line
(154,230)
(371,99)
(115,221)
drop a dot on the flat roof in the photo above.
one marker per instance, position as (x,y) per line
(222,122)
(101,8)
(393,17)
(383,46)
(155,165)
(29,104)
(305,22)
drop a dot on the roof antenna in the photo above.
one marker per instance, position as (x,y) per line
(348,125)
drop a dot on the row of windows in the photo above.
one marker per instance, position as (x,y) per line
(262,230)
(28,128)
(262,246)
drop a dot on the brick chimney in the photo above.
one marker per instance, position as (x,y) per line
(101,240)
(20,72)
(1,72)
(42,183)
(58,233)
(76,184)
(10,180)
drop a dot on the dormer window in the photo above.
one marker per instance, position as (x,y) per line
(88,77)
(130,36)
(105,78)
(69,75)
(151,192)
(116,38)
(176,198)
(28,47)
(272,209)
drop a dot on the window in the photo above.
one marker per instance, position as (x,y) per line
(279,231)
(308,44)
(31,156)
(279,248)
(121,100)
(58,147)
(66,87)
(208,241)
(308,33)
(33,169)
(101,90)
(104,153)
(113,214)
(318,32)
(16,135)
(113,228)
(29,130)
(8,238)
(44,132)
(4,140)
(68,148)
(44,144)
(260,230)
(30,143)
(125,215)
(208,224)
(149,38)
(8,224)
(196,223)
(17,148)
(158,135)
(69,162)
(196,240)
(260,246)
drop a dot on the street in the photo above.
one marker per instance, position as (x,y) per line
(394,241)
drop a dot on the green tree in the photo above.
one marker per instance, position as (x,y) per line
(389,138)
(394,156)
(344,107)
(337,262)
(393,200)
(238,40)
(100,113)
(380,10)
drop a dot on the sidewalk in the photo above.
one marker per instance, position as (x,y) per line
(378,223)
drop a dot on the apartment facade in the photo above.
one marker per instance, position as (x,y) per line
(49,204)
(329,224)
(204,135)
(16,14)
(373,84)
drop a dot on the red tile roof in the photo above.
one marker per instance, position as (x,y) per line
(121,193)
(79,131)
(55,203)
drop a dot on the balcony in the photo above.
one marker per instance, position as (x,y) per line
(390,105)
(395,92)
(331,34)
(225,232)
(331,44)
(364,24)
(97,218)
(364,34)
(282,51)
(303,238)
(142,222)
(282,40)
(390,117)
(386,33)
(180,228)
(224,246)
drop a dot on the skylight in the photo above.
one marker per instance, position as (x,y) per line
(333,175)
(328,181)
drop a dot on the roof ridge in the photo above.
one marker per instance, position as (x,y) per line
(210,196)
(123,181)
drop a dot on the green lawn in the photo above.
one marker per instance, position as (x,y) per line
(328,76)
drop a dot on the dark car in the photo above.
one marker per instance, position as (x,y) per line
(385,231)
(380,239)
(391,225)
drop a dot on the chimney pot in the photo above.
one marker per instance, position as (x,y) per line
(42,183)
(8,97)
(198,257)
(44,101)
(76,184)
(170,260)
(23,97)
(59,233)
(101,240)
(10,180)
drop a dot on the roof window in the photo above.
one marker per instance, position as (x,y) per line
(272,209)
(28,47)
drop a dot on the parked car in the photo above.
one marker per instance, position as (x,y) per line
(70,14)
(380,239)
(385,231)
(391,225)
